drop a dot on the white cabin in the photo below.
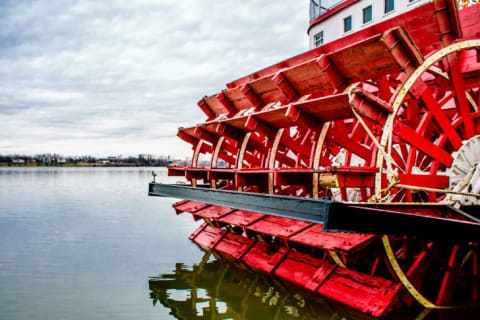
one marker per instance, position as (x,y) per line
(333,19)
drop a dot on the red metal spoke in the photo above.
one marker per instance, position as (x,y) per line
(476,282)
(413,138)
(342,140)
(461,98)
(422,262)
(445,292)
(441,118)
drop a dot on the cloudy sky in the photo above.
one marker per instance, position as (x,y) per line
(120,76)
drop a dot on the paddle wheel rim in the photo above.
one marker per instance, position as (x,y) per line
(404,89)
(386,141)
(414,287)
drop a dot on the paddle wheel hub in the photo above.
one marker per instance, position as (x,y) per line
(350,170)
(465,171)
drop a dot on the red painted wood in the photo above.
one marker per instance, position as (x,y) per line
(275,117)
(301,270)
(190,206)
(267,90)
(234,246)
(197,231)
(200,133)
(226,103)
(329,108)
(424,180)
(402,49)
(461,99)
(336,80)
(278,226)
(445,293)
(176,171)
(366,293)
(213,212)
(292,176)
(215,105)
(186,137)
(366,59)
(337,134)
(241,218)
(315,237)
(307,78)
(199,173)
(419,22)
(469,21)
(209,237)
(254,101)
(251,178)
(285,86)
(409,135)
(206,109)
(320,276)
(439,114)
(264,258)
(220,173)
(371,295)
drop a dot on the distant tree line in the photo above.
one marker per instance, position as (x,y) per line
(58,160)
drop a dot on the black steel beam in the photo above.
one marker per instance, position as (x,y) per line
(311,210)
(363,219)
(336,216)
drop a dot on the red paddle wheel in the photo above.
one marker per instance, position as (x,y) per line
(383,122)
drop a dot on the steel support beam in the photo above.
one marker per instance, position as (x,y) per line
(363,219)
(335,216)
(311,210)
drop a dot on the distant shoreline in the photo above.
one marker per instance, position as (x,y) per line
(73,165)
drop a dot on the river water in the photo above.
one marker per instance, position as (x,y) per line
(88,243)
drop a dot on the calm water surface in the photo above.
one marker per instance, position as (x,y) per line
(87,243)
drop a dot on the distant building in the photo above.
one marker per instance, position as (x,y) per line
(18,161)
(45,158)
(147,157)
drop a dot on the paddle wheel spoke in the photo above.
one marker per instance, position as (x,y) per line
(446,291)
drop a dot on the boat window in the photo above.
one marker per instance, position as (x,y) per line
(389,5)
(318,39)
(347,24)
(367,14)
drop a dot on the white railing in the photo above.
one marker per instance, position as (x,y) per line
(318,7)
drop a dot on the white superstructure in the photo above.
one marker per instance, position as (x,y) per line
(333,19)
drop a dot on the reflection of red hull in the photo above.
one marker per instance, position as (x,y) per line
(373,295)
(384,115)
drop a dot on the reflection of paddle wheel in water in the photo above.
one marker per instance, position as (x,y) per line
(218,289)
(385,122)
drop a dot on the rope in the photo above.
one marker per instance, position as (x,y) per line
(465,181)
(370,134)
(395,183)
(415,188)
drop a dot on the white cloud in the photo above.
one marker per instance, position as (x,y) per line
(119,76)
